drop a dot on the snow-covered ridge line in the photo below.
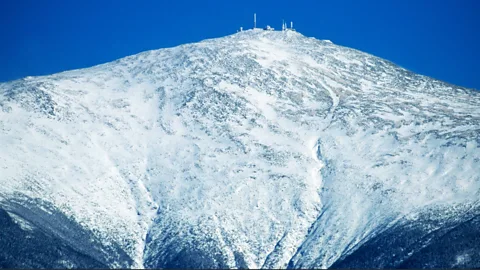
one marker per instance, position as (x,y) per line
(251,150)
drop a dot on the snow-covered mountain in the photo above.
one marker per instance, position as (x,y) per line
(256,150)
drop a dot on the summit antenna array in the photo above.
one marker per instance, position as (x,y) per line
(285,27)
(268,28)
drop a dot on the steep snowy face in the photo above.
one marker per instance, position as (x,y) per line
(260,149)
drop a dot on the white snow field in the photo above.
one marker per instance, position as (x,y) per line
(260,149)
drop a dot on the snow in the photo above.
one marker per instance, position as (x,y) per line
(268,143)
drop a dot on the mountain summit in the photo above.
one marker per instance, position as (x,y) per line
(262,149)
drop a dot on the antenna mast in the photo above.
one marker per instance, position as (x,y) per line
(254,20)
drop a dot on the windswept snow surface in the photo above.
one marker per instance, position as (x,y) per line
(259,149)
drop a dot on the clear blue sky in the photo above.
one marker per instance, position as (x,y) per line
(438,38)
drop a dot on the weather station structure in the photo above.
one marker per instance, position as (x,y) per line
(268,27)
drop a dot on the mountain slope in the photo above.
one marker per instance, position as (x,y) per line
(260,149)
